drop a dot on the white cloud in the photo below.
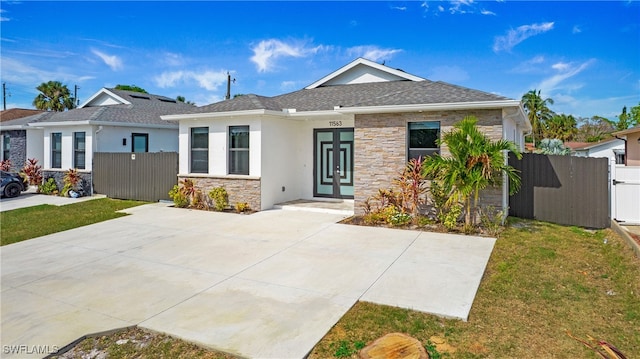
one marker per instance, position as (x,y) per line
(371,52)
(288,85)
(401,8)
(266,52)
(440,8)
(564,71)
(459,6)
(514,37)
(2,18)
(209,80)
(113,61)
(487,12)
(576,29)
(530,65)
(172,59)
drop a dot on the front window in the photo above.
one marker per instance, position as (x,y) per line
(56,150)
(423,139)
(139,142)
(6,146)
(239,150)
(79,150)
(200,150)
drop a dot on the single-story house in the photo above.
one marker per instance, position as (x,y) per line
(18,140)
(109,121)
(631,138)
(343,137)
(612,148)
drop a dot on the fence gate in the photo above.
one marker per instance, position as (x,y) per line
(566,190)
(137,176)
(625,194)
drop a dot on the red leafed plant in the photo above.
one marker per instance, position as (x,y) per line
(33,171)
(5,165)
(602,348)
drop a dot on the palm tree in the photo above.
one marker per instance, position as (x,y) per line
(537,111)
(475,163)
(54,96)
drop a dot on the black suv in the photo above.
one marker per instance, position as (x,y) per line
(12,184)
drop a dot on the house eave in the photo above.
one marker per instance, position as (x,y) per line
(102,123)
(225,114)
(428,107)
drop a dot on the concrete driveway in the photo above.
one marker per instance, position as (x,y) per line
(30,199)
(267,285)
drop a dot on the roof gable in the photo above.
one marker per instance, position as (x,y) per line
(104,97)
(362,71)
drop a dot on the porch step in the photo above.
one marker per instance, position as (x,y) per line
(343,207)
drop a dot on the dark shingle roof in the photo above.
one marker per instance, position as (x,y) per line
(14,113)
(392,93)
(145,109)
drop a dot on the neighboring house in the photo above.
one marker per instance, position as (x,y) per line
(613,149)
(18,140)
(343,137)
(631,138)
(109,121)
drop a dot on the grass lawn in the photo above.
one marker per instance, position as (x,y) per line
(31,222)
(542,280)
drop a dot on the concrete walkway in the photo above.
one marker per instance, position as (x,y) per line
(267,285)
(30,199)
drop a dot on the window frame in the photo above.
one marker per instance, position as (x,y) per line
(237,151)
(423,151)
(6,146)
(193,168)
(79,152)
(54,151)
(133,142)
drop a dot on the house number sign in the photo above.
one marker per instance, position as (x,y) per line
(335,123)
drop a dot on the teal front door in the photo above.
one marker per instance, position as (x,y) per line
(333,163)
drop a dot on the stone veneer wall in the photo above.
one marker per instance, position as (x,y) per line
(239,189)
(58,176)
(17,149)
(381,147)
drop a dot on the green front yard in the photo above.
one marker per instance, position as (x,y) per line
(31,222)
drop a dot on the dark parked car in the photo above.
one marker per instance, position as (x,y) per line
(12,184)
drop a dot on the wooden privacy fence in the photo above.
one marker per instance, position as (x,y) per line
(137,176)
(566,190)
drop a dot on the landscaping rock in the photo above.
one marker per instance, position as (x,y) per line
(394,346)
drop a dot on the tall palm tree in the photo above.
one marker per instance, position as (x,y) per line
(54,96)
(475,163)
(537,111)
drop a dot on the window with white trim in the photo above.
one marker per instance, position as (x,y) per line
(239,150)
(199,150)
(79,149)
(422,139)
(56,150)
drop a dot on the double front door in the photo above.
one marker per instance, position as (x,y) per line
(333,162)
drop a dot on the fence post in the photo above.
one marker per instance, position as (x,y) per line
(612,188)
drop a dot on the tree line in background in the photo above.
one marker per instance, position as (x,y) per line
(54,96)
(550,125)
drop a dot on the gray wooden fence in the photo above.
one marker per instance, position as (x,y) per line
(138,176)
(566,190)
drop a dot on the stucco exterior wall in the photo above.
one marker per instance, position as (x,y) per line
(633,149)
(381,147)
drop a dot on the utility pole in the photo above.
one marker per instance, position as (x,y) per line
(75,96)
(4,95)
(228,95)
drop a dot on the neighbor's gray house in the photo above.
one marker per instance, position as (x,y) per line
(343,137)
(17,140)
(109,121)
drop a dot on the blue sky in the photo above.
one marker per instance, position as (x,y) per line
(585,55)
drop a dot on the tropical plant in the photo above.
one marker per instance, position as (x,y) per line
(553,147)
(628,120)
(538,112)
(49,187)
(33,171)
(413,186)
(242,207)
(53,96)
(562,127)
(5,165)
(71,180)
(475,163)
(179,199)
(220,197)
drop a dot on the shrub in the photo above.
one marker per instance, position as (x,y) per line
(220,197)
(451,216)
(33,171)
(178,197)
(71,180)
(491,220)
(49,187)
(242,207)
